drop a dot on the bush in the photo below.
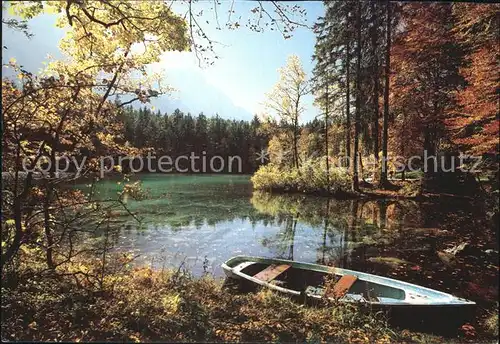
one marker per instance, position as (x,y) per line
(311,177)
(411,189)
(491,322)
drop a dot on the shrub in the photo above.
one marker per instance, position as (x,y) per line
(311,177)
(411,189)
(491,322)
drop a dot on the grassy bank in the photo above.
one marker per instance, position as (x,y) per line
(141,304)
(310,178)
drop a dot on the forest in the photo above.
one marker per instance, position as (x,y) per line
(179,134)
(441,99)
(393,82)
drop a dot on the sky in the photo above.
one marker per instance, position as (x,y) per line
(234,87)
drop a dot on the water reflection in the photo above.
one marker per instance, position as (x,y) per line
(406,240)
(345,227)
(190,218)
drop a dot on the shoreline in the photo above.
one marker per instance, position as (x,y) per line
(371,192)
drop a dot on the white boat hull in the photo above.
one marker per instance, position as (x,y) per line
(414,295)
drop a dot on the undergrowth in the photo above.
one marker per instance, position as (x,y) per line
(311,177)
(140,304)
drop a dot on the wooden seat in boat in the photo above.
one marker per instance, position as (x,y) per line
(271,272)
(341,287)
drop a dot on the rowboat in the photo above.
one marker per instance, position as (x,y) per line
(305,279)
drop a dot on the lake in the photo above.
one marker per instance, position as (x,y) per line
(202,220)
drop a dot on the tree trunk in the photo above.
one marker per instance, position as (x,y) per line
(382,213)
(13,248)
(361,172)
(48,233)
(385,137)
(46,211)
(376,88)
(355,179)
(295,133)
(347,94)
(402,146)
(295,143)
(429,179)
(326,143)
(9,253)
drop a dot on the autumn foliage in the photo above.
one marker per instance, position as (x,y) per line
(476,117)
(445,75)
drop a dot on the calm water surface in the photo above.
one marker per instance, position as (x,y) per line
(203,220)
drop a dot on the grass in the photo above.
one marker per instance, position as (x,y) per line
(141,304)
(410,175)
(491,323)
